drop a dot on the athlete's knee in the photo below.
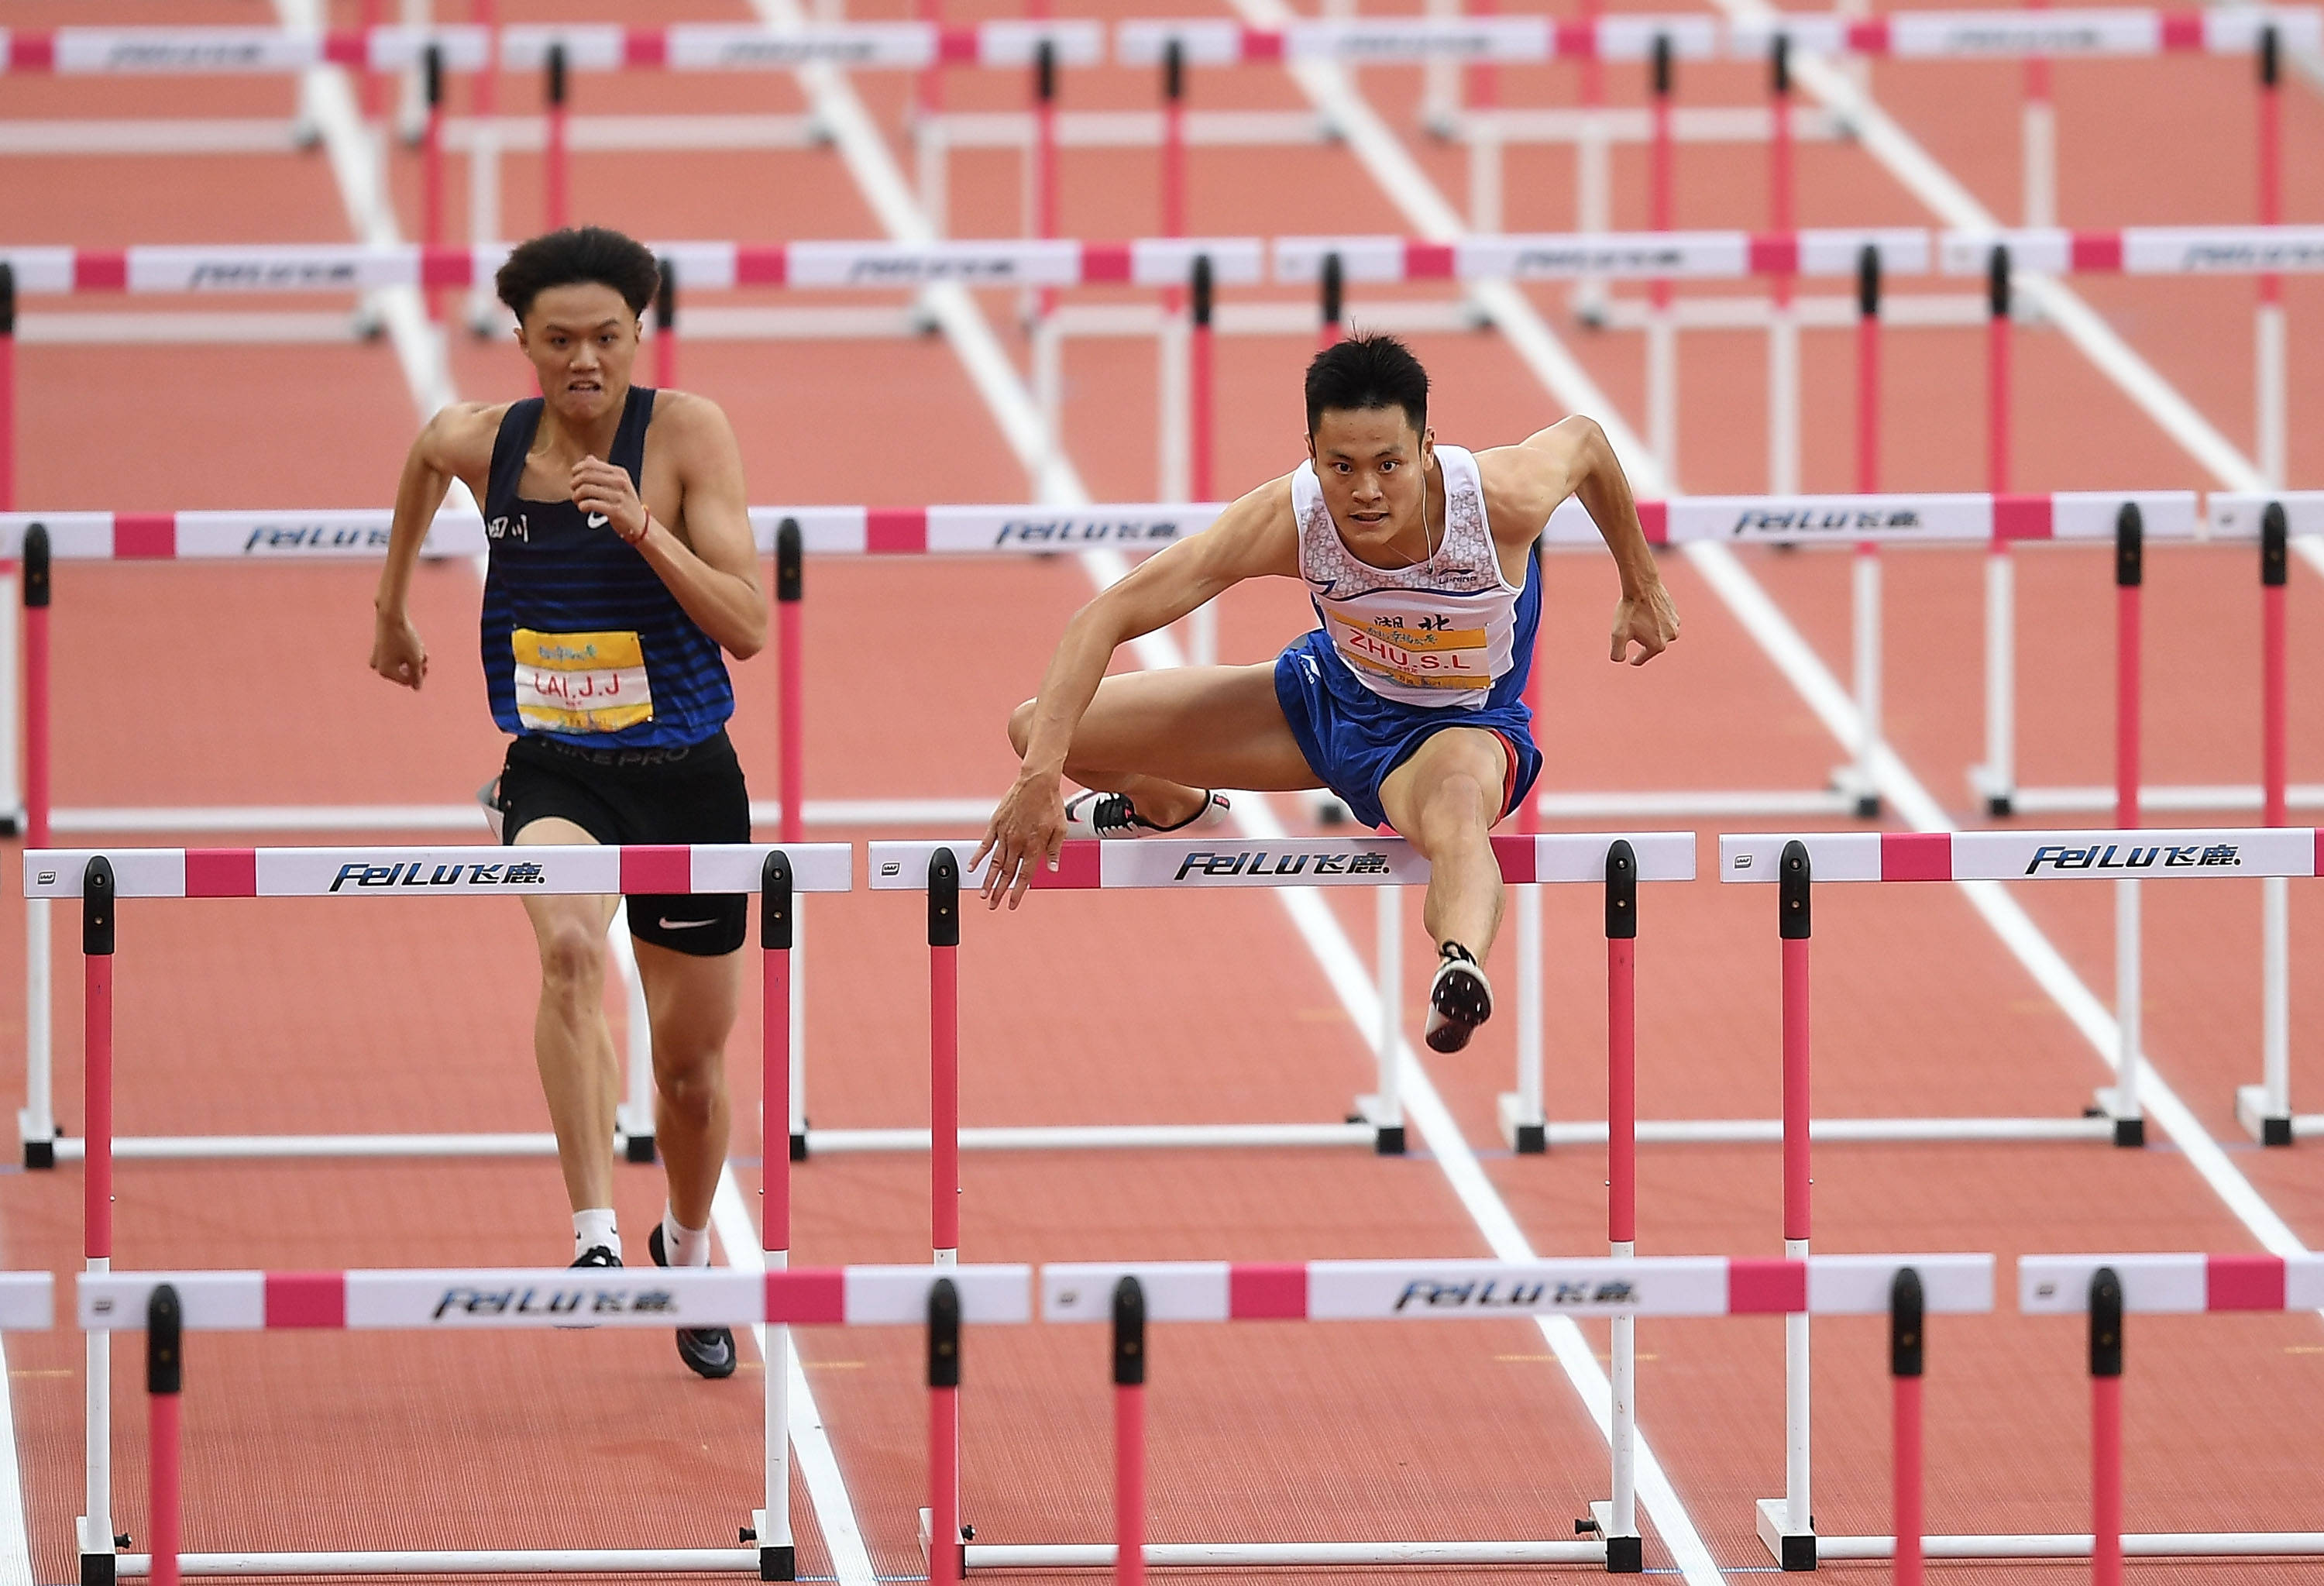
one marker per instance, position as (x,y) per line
(573,960)
(1020,725)
(691,1085)
(1460,803)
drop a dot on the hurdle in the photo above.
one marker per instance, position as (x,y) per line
(468,1300)
(1618,863)
(1795,863)
(1551,1292)
(101,880)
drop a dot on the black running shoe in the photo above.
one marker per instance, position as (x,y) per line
(1111,815)
(597,1256)
(708,1352)
(1459,1000)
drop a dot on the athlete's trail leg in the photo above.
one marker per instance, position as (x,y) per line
(572,1044)
(1445,800)
(691,1003)
(1146,732)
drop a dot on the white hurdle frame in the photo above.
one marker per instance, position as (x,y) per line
(101,879)
(1798,862)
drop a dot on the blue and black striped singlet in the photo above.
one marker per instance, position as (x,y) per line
(583,642)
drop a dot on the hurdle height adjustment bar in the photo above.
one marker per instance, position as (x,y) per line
(1129,1431)
(164,1378)
(790,781)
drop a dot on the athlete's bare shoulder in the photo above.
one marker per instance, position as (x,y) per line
(1258,535)
(460,438)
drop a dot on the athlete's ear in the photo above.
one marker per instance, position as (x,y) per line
(1311,445)
(1427,449)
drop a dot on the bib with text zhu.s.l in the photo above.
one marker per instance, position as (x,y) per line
(580,682)
(1439,634)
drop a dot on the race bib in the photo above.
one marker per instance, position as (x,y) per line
(1413,655)
(580,682)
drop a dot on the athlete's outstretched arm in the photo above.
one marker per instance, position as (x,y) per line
(456,444)
(1572,458)
(1253,537)
(712,573)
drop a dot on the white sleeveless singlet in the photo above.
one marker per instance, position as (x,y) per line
(1437,634)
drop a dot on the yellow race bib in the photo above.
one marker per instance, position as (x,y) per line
(580,682)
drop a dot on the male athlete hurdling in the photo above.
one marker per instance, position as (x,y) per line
(1407,701)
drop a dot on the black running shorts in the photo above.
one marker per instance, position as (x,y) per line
(641,796)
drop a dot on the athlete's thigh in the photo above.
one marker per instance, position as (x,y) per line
(690,999)
(1205,726)
(1469,751)
(560,919)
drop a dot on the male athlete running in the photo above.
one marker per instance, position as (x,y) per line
(1407,703)
(621,565)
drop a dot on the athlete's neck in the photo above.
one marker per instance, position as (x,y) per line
(566,438)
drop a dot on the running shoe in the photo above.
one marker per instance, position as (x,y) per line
(1459,1000)
(597,1256)
(708,1352)
(1111,815)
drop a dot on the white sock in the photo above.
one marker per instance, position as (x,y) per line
(593,1228)
(685,1247)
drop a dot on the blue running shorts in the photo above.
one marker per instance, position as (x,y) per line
(1352,738)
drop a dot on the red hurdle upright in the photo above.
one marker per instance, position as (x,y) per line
(944,1434)
(1129,1433)
(777,1552)
(165,1376)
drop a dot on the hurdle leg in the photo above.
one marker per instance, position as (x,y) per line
(943,1548)
(635,1118)
(96,944)
(1129,1433)
(1524,1126)
(1855,780)
(777,1552)
(1996,781)
(1384,1108)
(2122,1102)
(1906,1354)
(945,1559)
(1617,1528)
(1787,1525)
(790,788)
(164,1378)
(2106,1428)
(2265,1109)
(36,1126)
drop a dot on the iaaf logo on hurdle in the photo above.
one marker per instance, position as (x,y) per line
(269,275)
(278,538)
(1491,1294)
(1086,530)
(2169,855)
(554,1302)
(410,873)
(1254,862)
(1806,520)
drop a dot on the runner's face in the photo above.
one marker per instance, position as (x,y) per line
(1373,466)
(582,340)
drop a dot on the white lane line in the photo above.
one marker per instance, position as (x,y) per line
(16,1535)
(2025,941)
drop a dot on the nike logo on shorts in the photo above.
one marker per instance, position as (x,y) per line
(598,520)
(682,925)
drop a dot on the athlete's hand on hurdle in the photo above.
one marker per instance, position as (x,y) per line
(605,491)
(397,653)
(1027,829)
(1647,620)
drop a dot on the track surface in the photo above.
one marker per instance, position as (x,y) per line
(198,684)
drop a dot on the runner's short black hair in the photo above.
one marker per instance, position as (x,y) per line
(577,254)
(1368,370)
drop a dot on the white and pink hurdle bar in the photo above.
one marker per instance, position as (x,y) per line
(1797,864)
(102,880)
(947,1301)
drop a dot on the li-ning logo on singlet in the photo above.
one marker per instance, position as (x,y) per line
(505,527)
